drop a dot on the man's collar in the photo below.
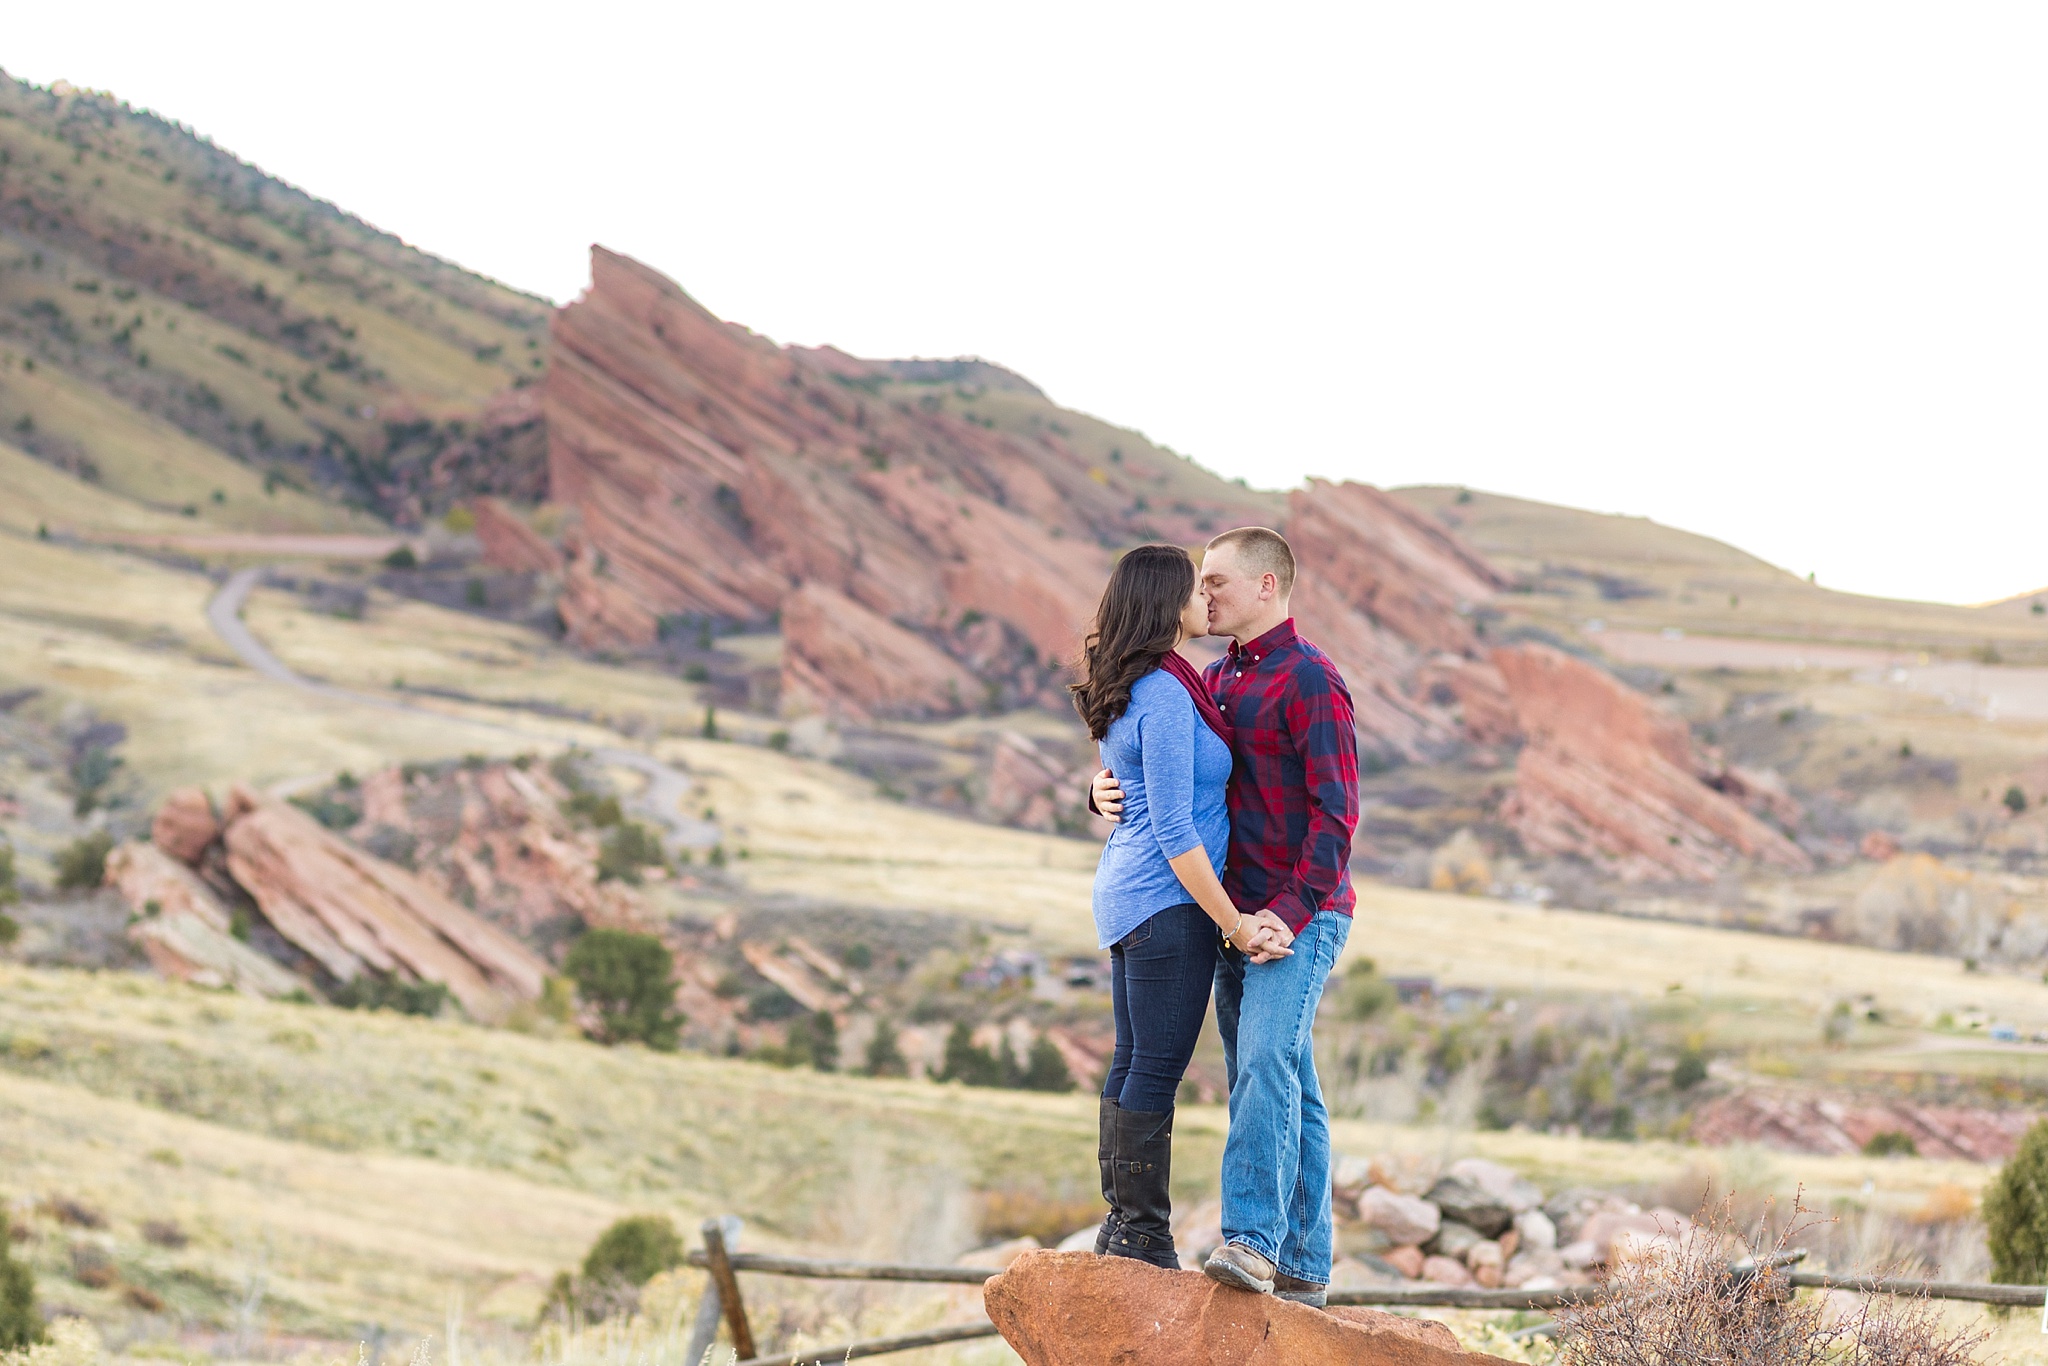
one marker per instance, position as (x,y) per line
(1261,646)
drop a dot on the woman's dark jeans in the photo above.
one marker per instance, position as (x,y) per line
(1159,979)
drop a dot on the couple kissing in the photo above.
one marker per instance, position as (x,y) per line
(1235,792)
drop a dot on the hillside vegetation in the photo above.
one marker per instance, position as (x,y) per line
(197,336)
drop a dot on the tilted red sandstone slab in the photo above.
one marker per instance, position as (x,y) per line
(1607,774)
(509,543)
(184,930)
(1078,1309)
(350,911)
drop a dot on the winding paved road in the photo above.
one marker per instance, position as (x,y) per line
(661,802)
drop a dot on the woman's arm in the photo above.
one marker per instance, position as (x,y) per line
(1241,932)
(1166,752)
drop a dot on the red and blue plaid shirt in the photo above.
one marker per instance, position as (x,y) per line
(1294,788)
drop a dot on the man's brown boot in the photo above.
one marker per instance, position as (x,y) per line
(1301,1292)
(1239,1267)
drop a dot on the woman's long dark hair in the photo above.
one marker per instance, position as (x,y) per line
(1137,623)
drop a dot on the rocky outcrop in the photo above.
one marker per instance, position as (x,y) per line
(509,543)
(493,836)
(182,928)
(1798,1123)
(1387,592)
(1607,775)
(1077,1309)
(352,912)
(714,473)
(841,658)
(185,825)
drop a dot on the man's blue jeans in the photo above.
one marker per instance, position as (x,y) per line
(1276,1162)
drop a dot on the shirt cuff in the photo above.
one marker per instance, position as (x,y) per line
(1293,910)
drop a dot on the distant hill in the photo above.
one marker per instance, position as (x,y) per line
(189,333)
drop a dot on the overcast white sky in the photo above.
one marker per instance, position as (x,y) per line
(1775,272)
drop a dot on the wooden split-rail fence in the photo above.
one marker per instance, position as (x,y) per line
(723,1303)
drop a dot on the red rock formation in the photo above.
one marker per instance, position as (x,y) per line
(185,825)
(837,656)
(184,930)
(351,912)
(1077,1309)
(1828,1124)
(1383,589)
(509,543)
(1608,775)
(714,472)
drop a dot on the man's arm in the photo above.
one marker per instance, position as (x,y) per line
(1325,734)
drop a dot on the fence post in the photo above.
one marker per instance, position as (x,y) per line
(719,1264)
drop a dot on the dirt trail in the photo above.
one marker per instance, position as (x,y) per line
(661,802)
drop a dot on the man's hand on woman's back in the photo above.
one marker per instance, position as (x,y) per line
(1106,798)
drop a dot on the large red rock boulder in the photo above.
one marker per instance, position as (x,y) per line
(185,825)
(1077,1309)
(353,912)
(1608,775)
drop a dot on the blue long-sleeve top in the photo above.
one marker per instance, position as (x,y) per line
(1173,770)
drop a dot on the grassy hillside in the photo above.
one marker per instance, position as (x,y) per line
(1633,573)
(198,336)
(368,1165)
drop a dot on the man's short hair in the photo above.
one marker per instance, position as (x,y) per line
(1264,551)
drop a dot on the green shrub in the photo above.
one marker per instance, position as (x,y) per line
(1046,1069)
(634,1251)
(2015,800)
(402,558)
(588,808)
(628,981)
(2016,1212)
(368,992)
(885,1055)
(1364,992)
(1689,1071)
(630,847)
(82,864)
(10,889)
(331,812)
(20,1324)
(1891,1143)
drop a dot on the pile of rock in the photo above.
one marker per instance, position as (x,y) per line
(1478,1223)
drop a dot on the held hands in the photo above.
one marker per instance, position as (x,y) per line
(1264,937)
(1109,797)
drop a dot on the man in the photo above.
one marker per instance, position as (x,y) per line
(1293,801)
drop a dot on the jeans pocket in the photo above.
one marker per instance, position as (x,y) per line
(1137,938)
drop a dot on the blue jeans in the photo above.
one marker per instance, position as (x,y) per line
(1159,977)
(1276,1162)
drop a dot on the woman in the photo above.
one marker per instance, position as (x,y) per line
(1159,903)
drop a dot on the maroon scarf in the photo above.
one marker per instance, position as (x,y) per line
(1191,678)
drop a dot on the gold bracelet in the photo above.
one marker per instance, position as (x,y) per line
(1234,929)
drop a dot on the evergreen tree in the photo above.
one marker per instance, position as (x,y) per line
(629,981)
(1047,1069)
(968,1063)
(2016,1212)
(885,1056)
